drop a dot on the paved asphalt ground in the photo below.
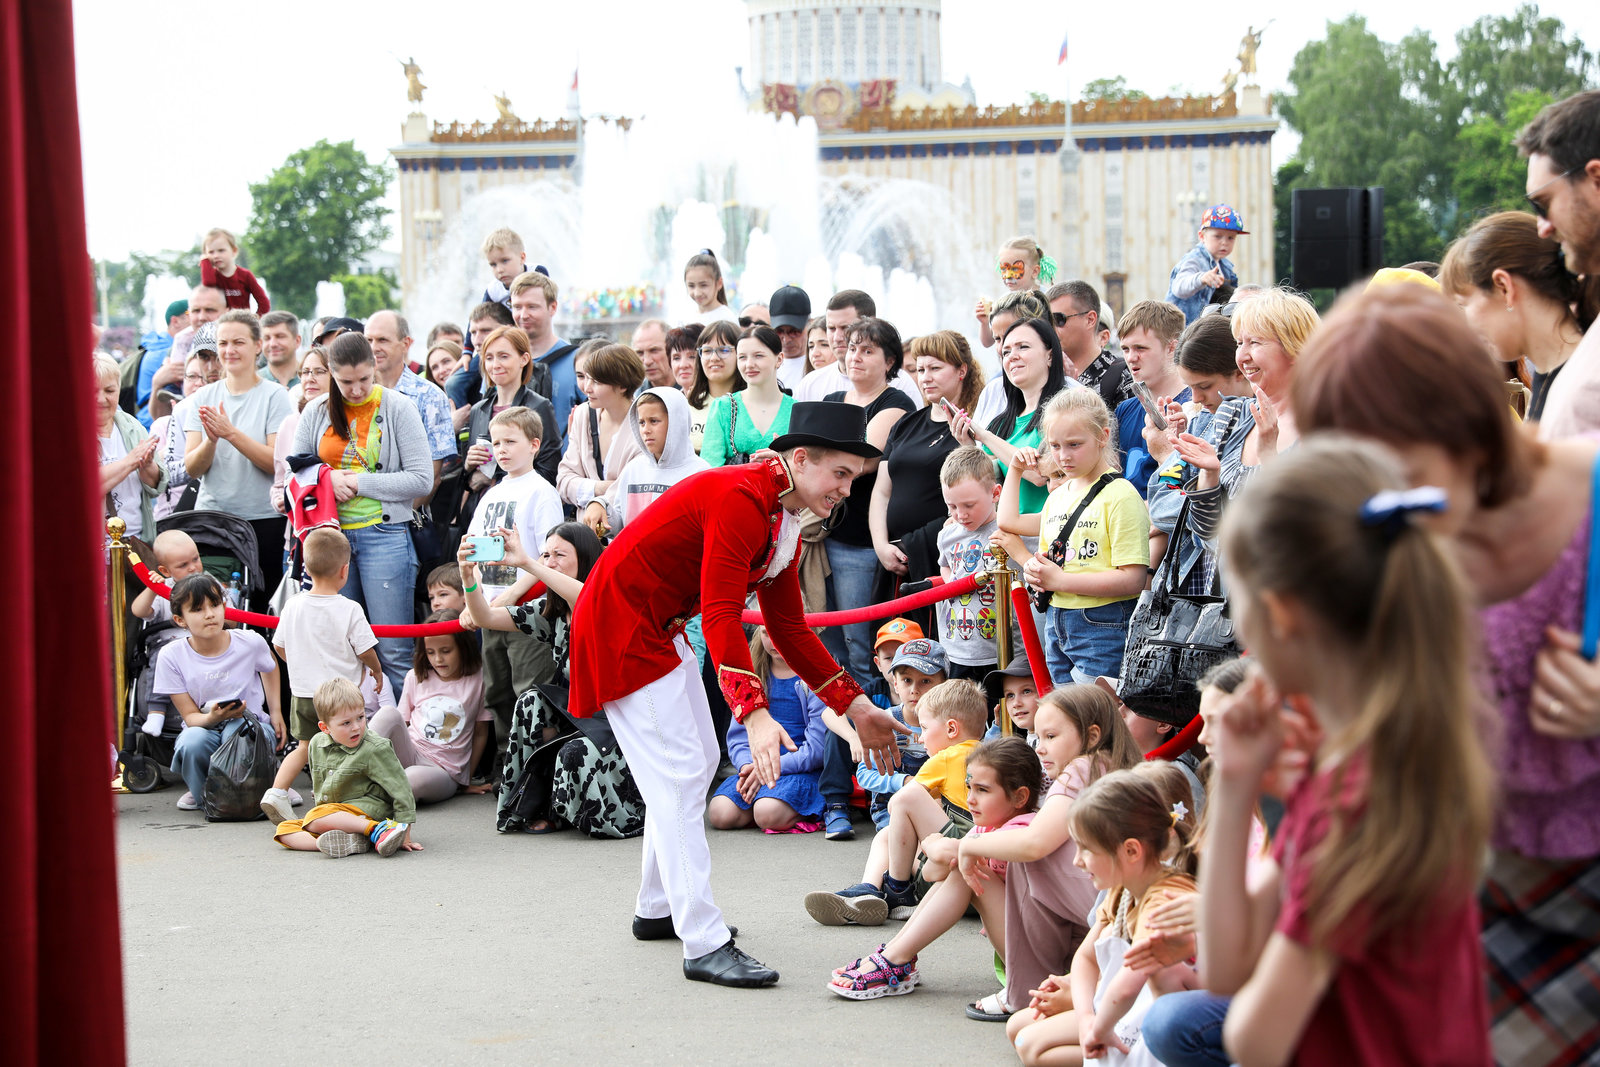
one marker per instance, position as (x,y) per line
(500,949)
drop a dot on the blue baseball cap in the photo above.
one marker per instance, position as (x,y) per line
(1222,217)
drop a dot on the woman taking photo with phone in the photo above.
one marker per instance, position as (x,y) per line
(373,439)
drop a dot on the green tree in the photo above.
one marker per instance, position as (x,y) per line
(365,294)
(1436,136)
(1112,89)
(1489,175)
(1501,56)
(313,218)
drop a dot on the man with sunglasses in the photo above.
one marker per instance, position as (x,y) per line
(1562,145)
(1075,311)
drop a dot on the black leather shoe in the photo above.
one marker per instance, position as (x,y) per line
(730,967)
(661,929)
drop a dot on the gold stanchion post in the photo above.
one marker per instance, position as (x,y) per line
(115,529)
(999,579)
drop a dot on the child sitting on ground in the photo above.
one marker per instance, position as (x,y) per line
(214,679)
(953,718)
(843,751)
(441,726)
(794,803)
(444,588)
(922,667)
(362,799)
(321,634)
(1205,268)
(1136,847)
(967,623)
(1048,897)
(220,270)
(1003,779)
(1016,688)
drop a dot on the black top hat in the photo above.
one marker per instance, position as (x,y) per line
(789,306)
(827,424)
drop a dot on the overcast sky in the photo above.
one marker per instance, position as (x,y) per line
(182,104)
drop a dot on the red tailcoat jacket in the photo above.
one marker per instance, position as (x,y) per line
(702,547)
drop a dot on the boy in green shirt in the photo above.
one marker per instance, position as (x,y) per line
(363,801)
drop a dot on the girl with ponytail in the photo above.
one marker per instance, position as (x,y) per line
(1360,940)
(1137,845)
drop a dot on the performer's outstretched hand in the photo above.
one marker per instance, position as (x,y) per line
(766,737)
(877,728)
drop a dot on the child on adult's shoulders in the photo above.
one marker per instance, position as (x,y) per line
(363,802)
(1205,268)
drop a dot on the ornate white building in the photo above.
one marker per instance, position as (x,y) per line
(1112,190)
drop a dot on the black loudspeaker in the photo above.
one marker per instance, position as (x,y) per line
(1335,235)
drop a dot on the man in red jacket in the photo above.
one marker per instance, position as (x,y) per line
(703,547)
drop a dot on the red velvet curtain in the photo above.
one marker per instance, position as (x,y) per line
(61,983)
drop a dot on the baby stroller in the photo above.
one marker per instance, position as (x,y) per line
(227,543)
(147,761)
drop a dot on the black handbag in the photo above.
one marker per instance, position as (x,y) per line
(1173,639)
(1057,552)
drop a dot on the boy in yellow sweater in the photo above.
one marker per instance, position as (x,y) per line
(953,716)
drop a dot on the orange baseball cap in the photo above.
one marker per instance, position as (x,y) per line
(897,630)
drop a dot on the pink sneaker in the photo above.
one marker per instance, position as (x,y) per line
(388,836)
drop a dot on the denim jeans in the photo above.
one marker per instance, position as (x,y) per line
(192,752)
(855,571)
(1185,1029)
(383,575)
(1084,643)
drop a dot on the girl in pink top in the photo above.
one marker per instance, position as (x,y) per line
(1362,944)
(1404,366)
(441,726)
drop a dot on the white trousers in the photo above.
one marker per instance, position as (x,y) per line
(666,735)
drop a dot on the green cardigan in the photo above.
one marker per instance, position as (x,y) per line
(714,445)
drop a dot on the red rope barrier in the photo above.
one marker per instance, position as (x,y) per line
(1175,746)
(944,591)
(1178,743)
(1022,608)
(255,618)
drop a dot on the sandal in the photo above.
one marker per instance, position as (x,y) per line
(542,826)
(874,977)
(909,968)
(990,1009)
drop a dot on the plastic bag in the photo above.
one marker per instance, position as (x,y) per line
(241,771)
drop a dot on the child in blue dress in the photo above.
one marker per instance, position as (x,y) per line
(793,804)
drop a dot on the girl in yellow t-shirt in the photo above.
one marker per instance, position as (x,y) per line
(1103,562)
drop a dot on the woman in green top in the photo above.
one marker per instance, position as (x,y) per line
(1035,371)
(744,421)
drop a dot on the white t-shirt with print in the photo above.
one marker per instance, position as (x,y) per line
(526,502)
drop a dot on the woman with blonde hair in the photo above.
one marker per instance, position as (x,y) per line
(1272,329)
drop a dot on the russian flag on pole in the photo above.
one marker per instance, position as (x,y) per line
(1062,58)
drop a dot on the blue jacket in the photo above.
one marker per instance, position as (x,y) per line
(1137,466)
(1184,288)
